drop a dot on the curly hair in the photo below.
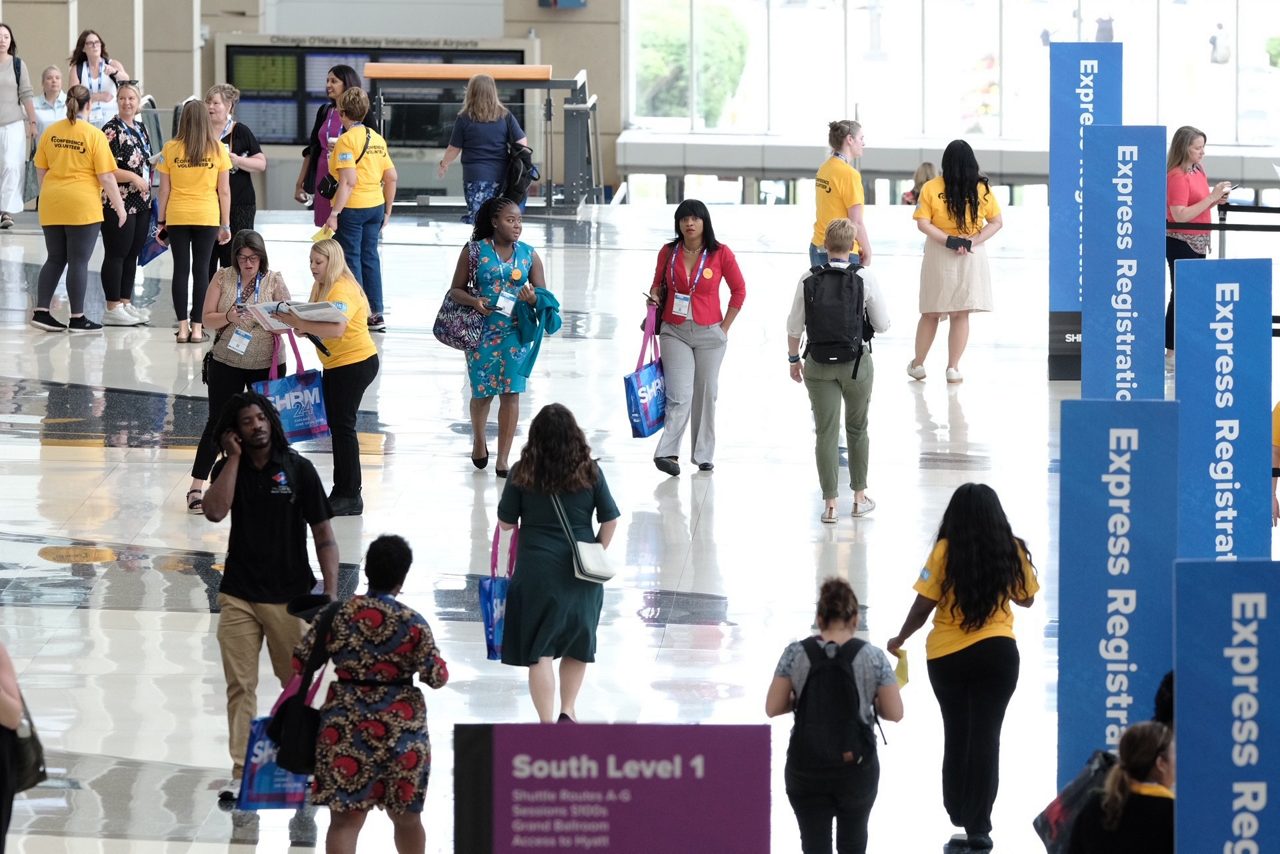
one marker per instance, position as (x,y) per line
(984,558)
(557,458)
(229,417)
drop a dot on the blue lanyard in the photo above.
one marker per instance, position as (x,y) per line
(697,276)
(505,267)
(138,133)
(257,282)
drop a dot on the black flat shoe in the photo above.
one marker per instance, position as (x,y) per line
(346,505)
(480,462)
(706,466)
(667,465)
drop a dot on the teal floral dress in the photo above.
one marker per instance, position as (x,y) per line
(495,365)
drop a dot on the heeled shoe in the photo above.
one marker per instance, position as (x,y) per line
(481,462)
(501,472)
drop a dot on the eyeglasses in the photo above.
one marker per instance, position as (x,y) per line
(91,42)
(247,257)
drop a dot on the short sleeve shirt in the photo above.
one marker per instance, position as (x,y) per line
(193,184)
(356,344)
(871,670)
(1275,425)
(367,192)
(74,155)
(933,207)
(838,188)
(131,147)
(242,143)
(484,146)
(267,560)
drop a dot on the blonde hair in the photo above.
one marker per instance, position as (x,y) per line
(354,103)
(1180,146)
(839,237)
(926,171)
(129,84)
(77,100)
(229,94)
(194,133)
(481,103)
(331,251)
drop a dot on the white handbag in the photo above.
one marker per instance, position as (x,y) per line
(590,563)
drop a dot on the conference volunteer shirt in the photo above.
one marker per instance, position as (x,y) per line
(74,155)
(947,636)
(355,345)
(933,207)
(838,187)
(367,193)
(193,184)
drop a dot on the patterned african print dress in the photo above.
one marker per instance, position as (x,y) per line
(495,365)
(373,749)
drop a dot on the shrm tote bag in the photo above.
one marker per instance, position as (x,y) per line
(646,389)
(267,786)
(493,590)
(299,398)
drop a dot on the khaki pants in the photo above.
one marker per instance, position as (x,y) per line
(829,386)
(241,628)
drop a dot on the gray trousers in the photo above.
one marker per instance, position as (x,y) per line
(829,386)
(691,357)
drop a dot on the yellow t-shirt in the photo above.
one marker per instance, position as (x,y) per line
(1275,425)
(947,636)
(75,155)
(367,192)
(193,185)
(356,344)
(839,187)
(933,206)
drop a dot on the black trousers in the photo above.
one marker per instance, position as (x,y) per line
(846,798)
(121,245)
(242,217)
(191,246)
(68,247)
(1174,250)
(225,381)
(973,687)
(343,389)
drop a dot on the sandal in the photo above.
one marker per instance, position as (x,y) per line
(6,221)
(829,515)
(195,505)
(182,337)
(203,338)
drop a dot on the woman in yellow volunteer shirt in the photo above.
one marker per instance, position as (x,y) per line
(977,567)
(75,166)
(194,207)
(366,191)
(349,367)
(958,213)
(840,194)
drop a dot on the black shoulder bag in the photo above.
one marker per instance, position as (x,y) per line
(328,186)
(295,726)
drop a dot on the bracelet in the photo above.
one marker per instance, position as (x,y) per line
(793,359)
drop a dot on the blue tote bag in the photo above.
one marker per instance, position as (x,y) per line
(493,590)
(267,786)
(299,398)
(646,389)
(153,248)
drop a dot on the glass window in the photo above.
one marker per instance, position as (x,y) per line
(1198,67)
(886,45)
(731,65)
(962,66)
(1258,51)
(807,90)
(659,65)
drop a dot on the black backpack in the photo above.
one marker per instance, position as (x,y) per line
(520,169)
(829,732)
(835,315)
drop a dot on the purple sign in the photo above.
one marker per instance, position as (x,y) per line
(609,787)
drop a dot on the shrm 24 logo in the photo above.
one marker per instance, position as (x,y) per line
(652,391)
(298,398)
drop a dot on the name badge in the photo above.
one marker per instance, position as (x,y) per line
(506,303)
(239,342)
(680,307)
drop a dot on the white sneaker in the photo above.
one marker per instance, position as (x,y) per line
(119,316)
(862,508)
(954,376)
(142,314)
(916,372)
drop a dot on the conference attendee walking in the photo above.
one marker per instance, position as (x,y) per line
(247,159)
(131,146)
(839,306)
(1133,812)
(958,214)
(833,778)
(11,714)
(350,366)
(839,192)
(374,750)
(976,569)
(92,67)
(552,614)
(505,270)
(480,136)
(363,201)
(194,205)
(17,126)
(325,131)
(1190,200)
(51,103)
(273,495)
(695,332)
(75,168)
(242,348)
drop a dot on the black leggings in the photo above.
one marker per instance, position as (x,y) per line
(242,217)
(121,245)
(224,382)
(191,246)
(343,389)
(68,248)
(846,797)
(973,687)
(1174,250)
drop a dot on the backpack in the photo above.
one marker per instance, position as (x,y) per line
(520,169)
(835,315)
(829,732)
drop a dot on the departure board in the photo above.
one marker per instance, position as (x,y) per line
(273,120)
(318,65)
(265,73)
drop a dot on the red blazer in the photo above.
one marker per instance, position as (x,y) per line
(721,266)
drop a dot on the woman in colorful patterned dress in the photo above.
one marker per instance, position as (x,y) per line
(506,270)
(373,749)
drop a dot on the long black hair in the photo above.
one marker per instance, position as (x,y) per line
(984,558)
(693,207)
(229,417)
(348,75)
(960,178)
(489,211)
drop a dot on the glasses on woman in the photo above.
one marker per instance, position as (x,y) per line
(91,42)
(247,257)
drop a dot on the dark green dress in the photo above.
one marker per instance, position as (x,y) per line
(549,611)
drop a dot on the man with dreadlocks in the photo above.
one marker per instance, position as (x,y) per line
(273,494)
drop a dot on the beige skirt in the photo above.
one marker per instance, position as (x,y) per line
(953,282)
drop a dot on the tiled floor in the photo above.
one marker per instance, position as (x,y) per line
(105,581)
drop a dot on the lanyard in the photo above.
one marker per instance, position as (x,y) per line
(841,156)
(88,77)
(257,282)
(505,268)
(697,276)
(138,133)
(226,129)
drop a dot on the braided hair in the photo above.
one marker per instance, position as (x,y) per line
(230,416)
(490,210)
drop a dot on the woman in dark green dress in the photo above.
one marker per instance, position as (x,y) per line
(550,613)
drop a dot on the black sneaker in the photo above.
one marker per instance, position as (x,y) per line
(42,319)
(376,323)
(346,505)
(83,324)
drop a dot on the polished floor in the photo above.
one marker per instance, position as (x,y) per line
(106,583)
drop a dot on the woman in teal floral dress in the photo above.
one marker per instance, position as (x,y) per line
(506,270)
(373,749)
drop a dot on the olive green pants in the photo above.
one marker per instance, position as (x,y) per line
(829,386)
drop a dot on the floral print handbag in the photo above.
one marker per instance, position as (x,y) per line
(461,326)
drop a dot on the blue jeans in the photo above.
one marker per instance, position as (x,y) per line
(818,257)
(358,230)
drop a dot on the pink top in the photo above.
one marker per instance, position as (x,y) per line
(721,266)
(1185,189)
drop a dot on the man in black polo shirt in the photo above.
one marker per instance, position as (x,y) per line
(273,494)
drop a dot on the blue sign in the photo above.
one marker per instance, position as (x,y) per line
(1223,337)
(1118,495)
(1123,312)
(1226,716)
(1084,89)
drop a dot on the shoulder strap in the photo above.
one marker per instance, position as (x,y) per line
(324,625)
(368,134)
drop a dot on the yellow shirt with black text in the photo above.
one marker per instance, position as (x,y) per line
(838,188)
(932,206)
(367,193)
(356,344)
(193,184)
(74,155)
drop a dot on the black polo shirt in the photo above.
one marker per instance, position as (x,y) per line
(267,558)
